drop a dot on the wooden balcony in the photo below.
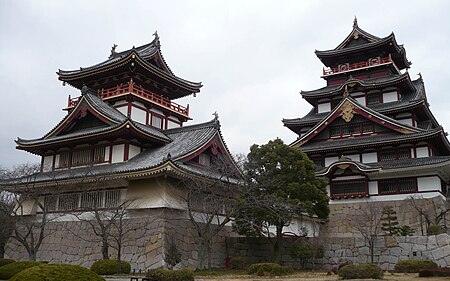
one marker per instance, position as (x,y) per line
(137,90)
(342,68)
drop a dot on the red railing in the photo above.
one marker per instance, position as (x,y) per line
(132,87)
(349,67)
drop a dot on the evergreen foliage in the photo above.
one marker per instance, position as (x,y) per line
(11,269)
(305,250)
(405,230)
(108,267)
(6,261)
(237,263)
(173,255)
(414,266)
(361,271)
(57,272)
(389,221)
(269,269)
(281,184)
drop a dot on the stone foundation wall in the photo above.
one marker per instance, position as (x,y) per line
(74,243)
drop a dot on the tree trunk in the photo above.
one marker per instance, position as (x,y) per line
(208,250)
(2,250)
(119,260)
(105,248)
(31,255)
(277,244)
(201,255)
(371,249)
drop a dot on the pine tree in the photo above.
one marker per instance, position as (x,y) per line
(173,255)
(390,222)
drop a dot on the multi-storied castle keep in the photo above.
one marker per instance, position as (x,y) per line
(124,139)
(371,132)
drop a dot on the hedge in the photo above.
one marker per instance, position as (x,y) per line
(57,272)
(436,272)
(108,267)
(414,266)
(6,261)
(269,269)
(170,275)
(361,271)
(237,263)
(11,269)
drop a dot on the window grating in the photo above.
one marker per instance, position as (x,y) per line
(348,187)
(397,186)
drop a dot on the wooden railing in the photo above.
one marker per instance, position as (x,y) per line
(132,87)
(349,67)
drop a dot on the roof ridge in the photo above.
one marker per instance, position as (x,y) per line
(213,123)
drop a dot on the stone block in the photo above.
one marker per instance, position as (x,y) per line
(431,243)
(441,252)
(442,239)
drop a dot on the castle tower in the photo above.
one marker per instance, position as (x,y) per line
(371,132)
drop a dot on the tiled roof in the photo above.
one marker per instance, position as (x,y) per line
(185,140)
(372,140)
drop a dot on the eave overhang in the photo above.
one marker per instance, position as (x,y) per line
(397,51)
(349,103)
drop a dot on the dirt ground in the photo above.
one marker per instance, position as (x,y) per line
(319,276)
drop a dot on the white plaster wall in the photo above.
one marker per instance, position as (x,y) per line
(429,183)
(297,226)
(123,110)
(138,103)
(407,121)
(133,151)
(171,125)
(390,96)
(117,153)
(373,187)
(422,152)
(329,160)
(138,115)
(370,157)
(107,148)
(361,100)
(47,163)
(354,157)
(323,107)
(57,160)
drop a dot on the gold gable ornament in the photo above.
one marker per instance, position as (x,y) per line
(347,112)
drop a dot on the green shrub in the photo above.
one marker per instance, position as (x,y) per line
(6,261)
(57,272)
(108,267)
(170,275)
(434,229)
(361,271)
(11,269)
(437,272)
(269,269)
(414,266)
(237,263)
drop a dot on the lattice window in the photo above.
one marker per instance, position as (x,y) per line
(50,202)
(91,200)
(373,99)
(395,154)
(68,201)
(112,198)
(367,128)
(64,160)
(81,157)
(397,186)
(99,154)
(335,131)
(348,187)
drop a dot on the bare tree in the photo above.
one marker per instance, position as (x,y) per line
(30,215)
(430,212)
(367,222)
(209,202)
(6,219)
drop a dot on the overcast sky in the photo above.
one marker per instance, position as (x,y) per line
(253,57)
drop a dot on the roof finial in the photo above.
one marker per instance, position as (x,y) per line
(156,40)
(346,93)
(84,89)
(216,115)
(355,23)
(420,75)
(113,50)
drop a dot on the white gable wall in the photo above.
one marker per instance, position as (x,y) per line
(117,153)
(428,183)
